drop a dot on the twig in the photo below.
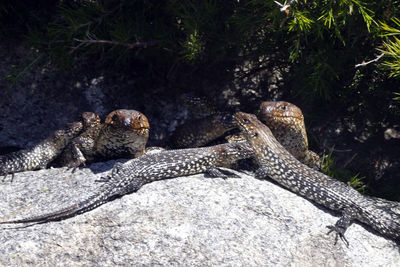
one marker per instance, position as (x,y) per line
(285,7)
(371,61)
(349,160)
(109,42)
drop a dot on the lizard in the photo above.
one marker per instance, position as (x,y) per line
(123,133)
(285,119)
(43,153)
(278,164)
(130,176)
(208,124)
(201,131)
(199,106)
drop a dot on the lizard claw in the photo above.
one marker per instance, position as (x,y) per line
(76,165)
(5,176)
(339,233)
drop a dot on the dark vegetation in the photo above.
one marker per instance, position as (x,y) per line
(352,112)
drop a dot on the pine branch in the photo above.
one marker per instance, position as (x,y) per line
(109,42)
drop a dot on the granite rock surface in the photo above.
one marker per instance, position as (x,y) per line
(183,221)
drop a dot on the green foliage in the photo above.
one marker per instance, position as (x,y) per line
(391,47)
(18,74)
(207,32)
(321,65)
(193,46)
(300,22)
(328,167)
(397,96)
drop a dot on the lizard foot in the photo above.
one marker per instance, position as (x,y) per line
(5,176)
(103,179)
(76,165)
(214,172)
(339,233)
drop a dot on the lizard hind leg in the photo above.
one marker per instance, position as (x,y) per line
(341,226)
(103,179)
(115,174)
(77,156)
(215,172)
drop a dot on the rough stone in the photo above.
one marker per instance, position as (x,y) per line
(184,221)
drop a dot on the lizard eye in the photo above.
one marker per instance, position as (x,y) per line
(114,118)
(283,107)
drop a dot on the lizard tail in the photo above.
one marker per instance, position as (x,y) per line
(383,215)
(105,194)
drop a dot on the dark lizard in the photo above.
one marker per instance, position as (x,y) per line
(40,155)
(131,176)
(124,133)
(201,131)
(278,164)
(208,123)
(199,106)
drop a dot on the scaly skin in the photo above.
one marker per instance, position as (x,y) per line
(198,106)
(278,164)
(132,175)
(286,122)
(201,131)
(208,124)
(39,156)
(123,134)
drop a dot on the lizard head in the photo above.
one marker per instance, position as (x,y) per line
(86,120)
(248,124)
(125,132)
(223,121)
(256,133)
(230,153)
(71,130)
(129,120)
(287,123)
(279,112)
(90,119)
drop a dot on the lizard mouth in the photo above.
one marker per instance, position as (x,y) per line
(284,116)
(142,131)
(243,122)
(90,119)
(128,119)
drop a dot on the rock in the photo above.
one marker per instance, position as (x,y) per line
(184,221)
